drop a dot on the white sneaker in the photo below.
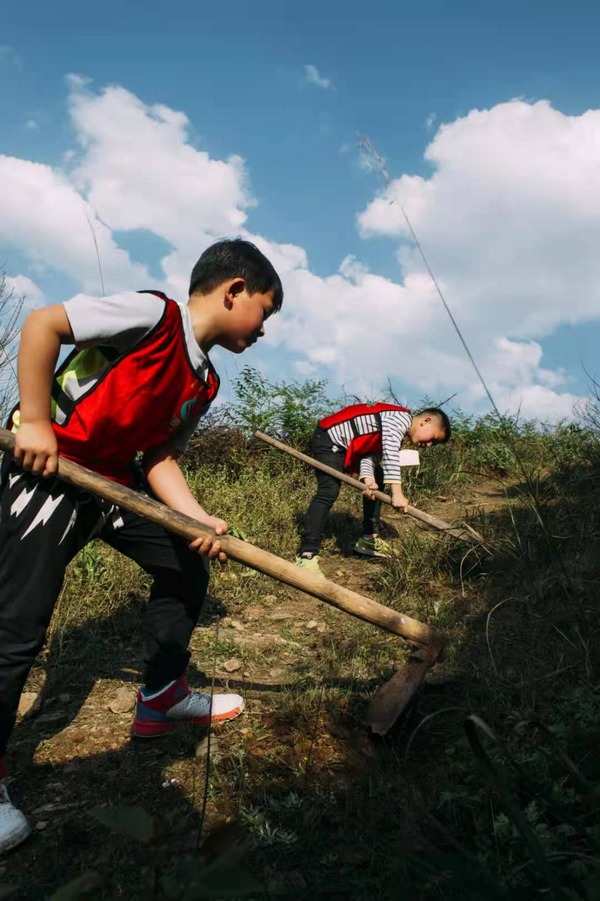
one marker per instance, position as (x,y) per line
(159,713)
(14,828)
(197,708)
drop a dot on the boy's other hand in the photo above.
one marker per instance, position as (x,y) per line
(399,500)
(36,448)
(208,546)
(370,486)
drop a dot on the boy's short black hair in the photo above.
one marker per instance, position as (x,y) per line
(233,258)
(435,411)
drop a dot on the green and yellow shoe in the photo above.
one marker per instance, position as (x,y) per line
(311,564)
(373,547)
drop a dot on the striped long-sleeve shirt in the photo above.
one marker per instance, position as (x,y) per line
(394,425)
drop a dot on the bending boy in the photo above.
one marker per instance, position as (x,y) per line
(138,381)
(366,440)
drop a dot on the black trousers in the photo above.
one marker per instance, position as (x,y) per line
(43,524)
(328,489)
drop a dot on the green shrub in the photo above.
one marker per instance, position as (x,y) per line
(286,410)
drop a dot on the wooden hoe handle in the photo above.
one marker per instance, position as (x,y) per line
(282,570)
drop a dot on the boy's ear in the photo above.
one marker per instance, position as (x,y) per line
(233,289)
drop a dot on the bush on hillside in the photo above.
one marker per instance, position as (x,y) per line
(11,307)
(285,410)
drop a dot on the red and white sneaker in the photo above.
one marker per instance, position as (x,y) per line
(159,712)
(14,828)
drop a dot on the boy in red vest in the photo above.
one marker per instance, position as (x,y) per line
(137,382)
(365,440)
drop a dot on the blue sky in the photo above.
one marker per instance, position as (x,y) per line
(511,241)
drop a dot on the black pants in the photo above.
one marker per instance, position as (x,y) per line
(328,488)
(43,524)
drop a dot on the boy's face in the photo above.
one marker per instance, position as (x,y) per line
(426,431)
(245,319)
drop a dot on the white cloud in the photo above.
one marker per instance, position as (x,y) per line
(510,219)
(45,217)
(511,216)
(519,383)
(510,223)
(314,77)
(135,169)
(355,322)
(305,369)
(139,170)
(21,287)
(537,402)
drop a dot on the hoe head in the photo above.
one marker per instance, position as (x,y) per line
(394,696)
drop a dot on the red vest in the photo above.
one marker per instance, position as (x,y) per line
(360,445)
(142,397)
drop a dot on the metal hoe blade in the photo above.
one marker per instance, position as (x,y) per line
(394,696)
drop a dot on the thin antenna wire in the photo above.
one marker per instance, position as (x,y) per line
(373,157)
(442,403)
(375,161)
(97,251)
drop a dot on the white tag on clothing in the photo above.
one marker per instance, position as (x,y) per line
(409,458)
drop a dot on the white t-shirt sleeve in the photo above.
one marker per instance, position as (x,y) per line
(120,320)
